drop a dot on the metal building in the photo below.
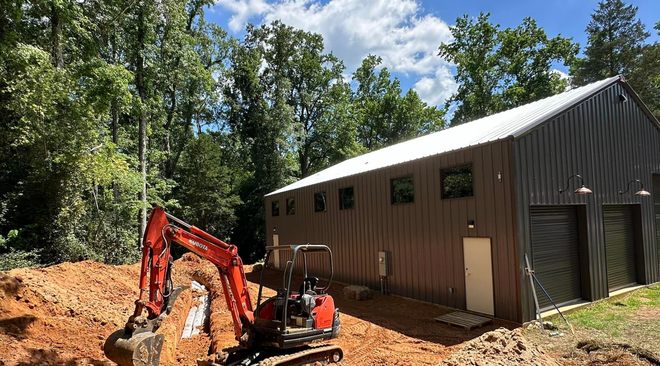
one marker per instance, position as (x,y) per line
(456,211)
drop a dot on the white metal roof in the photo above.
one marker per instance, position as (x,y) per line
(510,123)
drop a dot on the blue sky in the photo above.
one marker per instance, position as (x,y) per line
(406,33)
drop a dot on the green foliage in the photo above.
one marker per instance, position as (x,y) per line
(70,101)
(477,74)
(55,153)
(616,46)
(18,259)
(615,40)
(403,190)
(645,77)
(383,115)
(204,191)
(457,182)
(525,56)
(12,258)
(499,70)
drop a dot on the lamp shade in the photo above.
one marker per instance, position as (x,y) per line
(642,192)
(583,190)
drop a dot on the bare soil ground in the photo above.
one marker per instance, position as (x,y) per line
(61,315)
(390,330)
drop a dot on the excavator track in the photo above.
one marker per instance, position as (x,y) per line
(323,354)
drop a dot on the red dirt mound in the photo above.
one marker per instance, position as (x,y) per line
(61,315)
(500,347)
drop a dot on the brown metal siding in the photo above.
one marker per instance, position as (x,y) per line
(423,237)
(609,143)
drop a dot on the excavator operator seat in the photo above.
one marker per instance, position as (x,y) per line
(307,296)
(309,284)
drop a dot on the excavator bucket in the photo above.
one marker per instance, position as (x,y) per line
(141,349)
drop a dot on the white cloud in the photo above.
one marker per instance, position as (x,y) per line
(435,90)
(243,10)
(562,75)
(396,30)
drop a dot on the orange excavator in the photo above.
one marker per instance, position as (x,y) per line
(284,330)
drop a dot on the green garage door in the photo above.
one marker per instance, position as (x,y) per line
(556,253)
(620,245)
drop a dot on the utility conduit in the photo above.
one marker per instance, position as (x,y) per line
(199,312)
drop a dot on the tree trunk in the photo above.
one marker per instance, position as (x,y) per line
(303,160)
(142,146)
(55,35)
(166,143)
(114,112)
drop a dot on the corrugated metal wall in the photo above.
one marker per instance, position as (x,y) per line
(609,143)
(424,237)
(656,198)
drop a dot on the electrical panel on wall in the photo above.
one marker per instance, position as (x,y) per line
(384,263)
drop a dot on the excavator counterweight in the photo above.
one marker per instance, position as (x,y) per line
(278,331)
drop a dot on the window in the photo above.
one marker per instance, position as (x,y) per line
(291,206)
(319,202)
(403,190)
(457,182)
(346,198)
(275,208)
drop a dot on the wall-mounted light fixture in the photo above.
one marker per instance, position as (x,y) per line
(274,229)
(641,192)
(470,224)
(623,98)
(581,190)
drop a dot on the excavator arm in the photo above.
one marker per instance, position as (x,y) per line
(137,339)
(156,262)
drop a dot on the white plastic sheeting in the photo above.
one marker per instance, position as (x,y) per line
(198,314)
(511,123)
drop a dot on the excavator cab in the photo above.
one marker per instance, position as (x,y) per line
(302,311)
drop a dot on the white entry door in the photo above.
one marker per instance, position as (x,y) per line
(276,254)
(478,275)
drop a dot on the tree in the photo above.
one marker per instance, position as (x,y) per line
(204,189)
(383,115)
(140,50)
(477,74)
(499,70)
(311,84)
(526,56)
(615,40)
(645,77)
(256,112)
